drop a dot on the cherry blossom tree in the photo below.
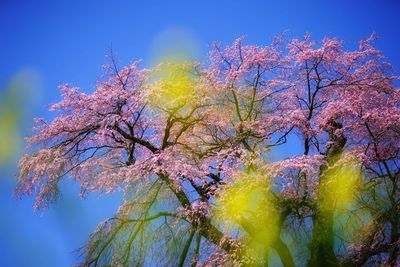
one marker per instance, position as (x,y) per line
(190,145)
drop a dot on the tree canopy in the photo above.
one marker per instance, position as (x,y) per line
(191,146)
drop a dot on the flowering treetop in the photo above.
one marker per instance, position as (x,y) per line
(189,143)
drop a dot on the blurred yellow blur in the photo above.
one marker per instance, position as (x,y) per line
(248,202)
(174,45)
(10,135)
(174,86)
(174,51)
(17,99)
(341,184)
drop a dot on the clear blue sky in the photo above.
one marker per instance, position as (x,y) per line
(67,41)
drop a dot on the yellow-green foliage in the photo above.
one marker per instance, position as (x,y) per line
(248,202)
(341,184)
(174,86)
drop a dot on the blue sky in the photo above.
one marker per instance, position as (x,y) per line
(46,43)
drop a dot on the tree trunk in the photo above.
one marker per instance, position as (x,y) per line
(394,237)
(322,245)
(322,248)
(284,253)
